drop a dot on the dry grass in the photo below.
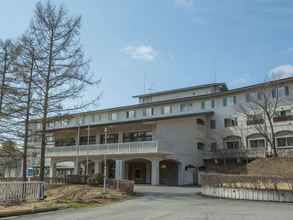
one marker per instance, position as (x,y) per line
(281,167)
(75,196)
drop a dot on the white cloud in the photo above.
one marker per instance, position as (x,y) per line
(141,52)
(240,82)
(184,3)
(280,72)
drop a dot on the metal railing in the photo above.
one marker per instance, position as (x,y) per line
(101,149)
(20,191)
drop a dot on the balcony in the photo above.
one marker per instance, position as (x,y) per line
(104,149)
(235,153)
(255,121)
(283,118)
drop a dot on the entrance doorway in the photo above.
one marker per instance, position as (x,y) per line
(139,170)
(169,172)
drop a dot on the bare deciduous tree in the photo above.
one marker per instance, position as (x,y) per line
(260,109)
(62,68)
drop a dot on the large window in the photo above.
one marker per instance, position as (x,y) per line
(280,92)
(137,136)
(166,110)
(229,100)
(232,145)
(185,107)
(131,114)
(59,142)
(285,141)
(148,112)
(111,138)
(254,143)
(84,140)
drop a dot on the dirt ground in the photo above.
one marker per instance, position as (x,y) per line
(75,196)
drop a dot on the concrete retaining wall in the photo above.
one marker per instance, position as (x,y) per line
(248,194)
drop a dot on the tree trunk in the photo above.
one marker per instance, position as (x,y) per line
(27,118)
(45,110)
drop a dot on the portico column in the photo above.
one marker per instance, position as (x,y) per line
(98,167)
(155,172)
(52,168)
(76,167)
(119,169)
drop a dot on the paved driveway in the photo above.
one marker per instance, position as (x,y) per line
(174,203)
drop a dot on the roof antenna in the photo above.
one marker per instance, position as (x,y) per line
(144,83)
(215,70)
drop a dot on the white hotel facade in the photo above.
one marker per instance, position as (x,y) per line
(168,136)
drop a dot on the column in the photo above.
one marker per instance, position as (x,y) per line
(155,172)
(76,167)
(119,169)
(180,174)
(52,168)
(98,167)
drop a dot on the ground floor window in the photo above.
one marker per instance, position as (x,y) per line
(257,143)
(233,145)
(285,141)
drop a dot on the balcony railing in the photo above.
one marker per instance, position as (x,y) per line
(283,118)
(102,149)
(235,153)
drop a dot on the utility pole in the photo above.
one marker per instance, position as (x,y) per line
(105,161)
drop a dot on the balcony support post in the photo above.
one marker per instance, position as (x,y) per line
(119,169)
(155,172)
(52,168)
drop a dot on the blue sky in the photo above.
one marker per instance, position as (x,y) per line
(173,43)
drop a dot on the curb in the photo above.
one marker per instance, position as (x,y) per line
(30,211)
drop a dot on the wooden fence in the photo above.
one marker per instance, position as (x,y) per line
(20,191)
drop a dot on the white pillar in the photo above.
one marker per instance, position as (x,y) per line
(181,170)
(98,167)
(155,172)
(76,167)
(119,169)
(52,168)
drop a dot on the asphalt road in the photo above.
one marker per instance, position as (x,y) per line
(174,203)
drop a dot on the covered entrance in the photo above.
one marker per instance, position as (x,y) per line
(169,172)
(139,170)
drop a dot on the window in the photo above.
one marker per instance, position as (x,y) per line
(59,142)
(213,103)
(255,119)
(232,145)
(200,146)
(84,140)
(230,122)
(185,107)
(213,124)
(225,101)
(280,92)
(214,146)
(131,114)
(166,110)
(230,100)
(148,112)
(111,138)
(203,105)
(257,143)
(114,116)
(138,136)
(285,141)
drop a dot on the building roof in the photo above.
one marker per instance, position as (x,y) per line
(185,89)
(189,98)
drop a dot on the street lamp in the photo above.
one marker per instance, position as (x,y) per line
(105,160)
